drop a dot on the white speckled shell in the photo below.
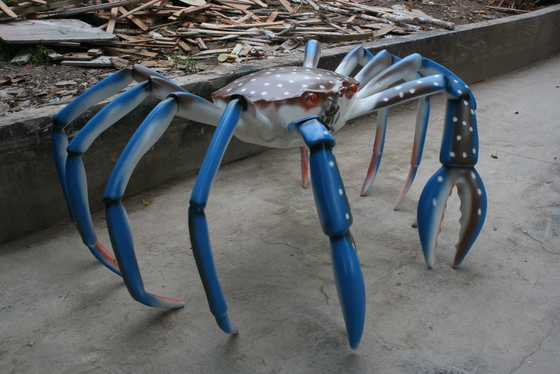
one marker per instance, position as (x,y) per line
(275,98)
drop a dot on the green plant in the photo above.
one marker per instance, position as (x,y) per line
(41,55)
(190,65)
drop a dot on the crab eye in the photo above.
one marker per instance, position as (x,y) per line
(309,99)
(351,90)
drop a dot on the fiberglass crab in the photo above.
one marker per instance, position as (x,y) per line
(281,107)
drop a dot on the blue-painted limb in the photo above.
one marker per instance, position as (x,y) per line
(59,145)
(420,132)
(336,218)
(455,86)
(198,225)
(350,286)
(378,145)
(357,56)
(77,190)
(108,116)
(117,220)
(107,87)
(459,146)
(151,129)
(433,201)
(312,54)
(121,239)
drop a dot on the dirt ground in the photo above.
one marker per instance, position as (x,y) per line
(41,84)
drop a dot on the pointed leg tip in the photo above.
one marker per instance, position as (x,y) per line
(160,302)
(354,346)
(225,325)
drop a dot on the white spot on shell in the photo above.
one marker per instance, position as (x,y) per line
(401,94)
(398,87)
(436,84)
(268,72)
(291,81)
(331,164)
(419,82)
(278,75)
(474,150)
(452,154)
(321,87)
(240,84)
(479,212)
(286,93)
(458,137)
(440,179)
(473,175)
(325,132)
(434,201)
(229,89)
(454,119)
(479,191)
(472,111)
(465,102)
(264,93)
(470,129)
(464,123)
(340,191)
(243,90)
(412,91)
(304,85)
(455,80)
(459,92)
(267,84)
(385,99)
(279,85)
(464,154)
(252,92)
(252,80)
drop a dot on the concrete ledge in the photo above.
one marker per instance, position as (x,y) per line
(30,195)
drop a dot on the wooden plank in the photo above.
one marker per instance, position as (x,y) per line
(287,5)
(133,51)
(135,20)
(6,9)
(51,31)
(112,20)
(100,62)
(184,46)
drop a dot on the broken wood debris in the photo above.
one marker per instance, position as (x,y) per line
(150,28)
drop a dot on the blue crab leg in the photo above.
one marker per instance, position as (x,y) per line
(76,174)
(422,119)
(312,54)
(336,218)
(380,74)
(118,224)
(198,225)
(77,204)
(379,142)
(433,201)
(311,58)
(357,56)
(400,70)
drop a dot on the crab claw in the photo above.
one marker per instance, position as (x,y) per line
(433,201)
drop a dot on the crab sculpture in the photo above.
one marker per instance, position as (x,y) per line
(281,107)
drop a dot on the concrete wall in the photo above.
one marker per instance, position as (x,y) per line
(30,196)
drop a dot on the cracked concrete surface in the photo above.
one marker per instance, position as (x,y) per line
(62,312)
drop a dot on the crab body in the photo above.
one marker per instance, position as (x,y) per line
(277,96)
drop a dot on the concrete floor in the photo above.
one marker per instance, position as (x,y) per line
(62,312)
